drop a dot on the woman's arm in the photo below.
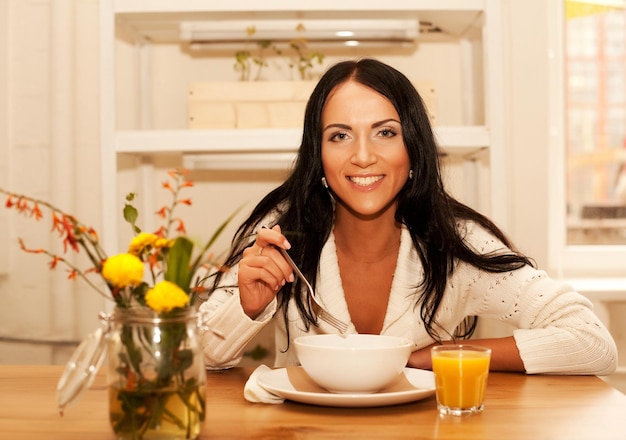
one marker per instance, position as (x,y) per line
(236,312)
(556,331)
(224,326)
(504,354)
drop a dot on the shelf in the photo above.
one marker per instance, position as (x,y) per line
(462,141)
(158,20)
(262,148)
(140,24)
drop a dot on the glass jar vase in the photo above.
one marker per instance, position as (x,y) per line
(156,376)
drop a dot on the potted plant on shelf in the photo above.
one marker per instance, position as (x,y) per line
(252,102)
(296,55)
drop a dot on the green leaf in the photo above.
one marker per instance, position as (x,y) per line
(131,215)
(133,355)
(178,258)
(184,358)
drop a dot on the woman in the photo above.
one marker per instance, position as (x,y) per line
(366,217)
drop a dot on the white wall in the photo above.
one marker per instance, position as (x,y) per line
(49,132)
(50,147)
(526,61)
(5,31)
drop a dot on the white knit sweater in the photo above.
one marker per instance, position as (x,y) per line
(556,329)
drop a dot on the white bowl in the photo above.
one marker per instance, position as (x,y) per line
(354,363)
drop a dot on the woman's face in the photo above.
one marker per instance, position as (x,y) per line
(363,154)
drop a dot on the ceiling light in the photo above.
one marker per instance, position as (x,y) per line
(390,31)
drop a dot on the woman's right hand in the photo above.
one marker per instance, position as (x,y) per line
(263,271)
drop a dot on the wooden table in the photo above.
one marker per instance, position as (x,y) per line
(516,407)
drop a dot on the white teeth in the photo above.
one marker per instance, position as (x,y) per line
(365,181)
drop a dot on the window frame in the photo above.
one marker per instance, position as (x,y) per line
(568,260)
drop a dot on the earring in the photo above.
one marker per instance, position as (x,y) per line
(324,182)
(410,174)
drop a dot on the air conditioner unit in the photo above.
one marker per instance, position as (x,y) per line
(315,32)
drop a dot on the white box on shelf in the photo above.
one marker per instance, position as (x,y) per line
(264,104)
(256,104)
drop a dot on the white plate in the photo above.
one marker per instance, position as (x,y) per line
(423,382)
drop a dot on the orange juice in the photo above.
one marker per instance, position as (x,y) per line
(461,377)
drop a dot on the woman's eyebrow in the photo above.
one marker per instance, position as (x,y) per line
(347,127)
(386,121)
(341,126)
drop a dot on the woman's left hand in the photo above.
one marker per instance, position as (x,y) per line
(505,355)
(421,359)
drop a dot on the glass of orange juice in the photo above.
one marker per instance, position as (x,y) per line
(461,373)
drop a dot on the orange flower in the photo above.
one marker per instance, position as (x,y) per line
(178,172)
(162,212)
(55,261)
(22,205)
(124,273)
(70,238)
(93,233)
(153,260)
(131,379)
(57,223)
(36,212)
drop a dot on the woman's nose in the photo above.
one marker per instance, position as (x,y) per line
(364,153)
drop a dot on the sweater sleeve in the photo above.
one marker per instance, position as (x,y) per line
(225,328)
(557,331)
(560,334)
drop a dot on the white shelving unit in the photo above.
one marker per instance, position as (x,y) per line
(157,21)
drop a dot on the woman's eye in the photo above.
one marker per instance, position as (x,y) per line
(387,132)
(340,136)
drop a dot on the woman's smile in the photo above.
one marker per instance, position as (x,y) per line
(365,181)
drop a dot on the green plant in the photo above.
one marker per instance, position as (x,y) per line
(301,59)
(247,58)
(297,55)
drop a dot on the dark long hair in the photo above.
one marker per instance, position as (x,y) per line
(303,208)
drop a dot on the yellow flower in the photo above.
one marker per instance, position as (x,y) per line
(141,241)
(123,270)
(165,296)
(162,243)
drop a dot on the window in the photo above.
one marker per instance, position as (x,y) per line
(595,121)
